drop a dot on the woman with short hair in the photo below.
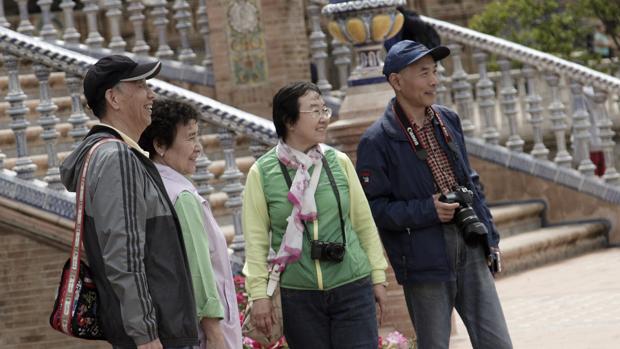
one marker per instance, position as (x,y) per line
(172,142)
(303,199)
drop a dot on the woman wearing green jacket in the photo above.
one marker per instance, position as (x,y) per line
(304,201)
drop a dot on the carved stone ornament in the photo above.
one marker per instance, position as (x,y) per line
(243,16)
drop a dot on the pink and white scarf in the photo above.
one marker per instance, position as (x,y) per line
(301,195)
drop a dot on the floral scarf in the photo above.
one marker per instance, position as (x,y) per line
(301,195)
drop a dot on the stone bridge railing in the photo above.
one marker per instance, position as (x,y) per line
(192,61)
(539,98)
(21,54)
(522,99)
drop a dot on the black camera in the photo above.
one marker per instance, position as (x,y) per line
(327,251)
(465,217)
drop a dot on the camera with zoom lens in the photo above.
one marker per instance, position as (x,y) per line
(327,251)
(465,217)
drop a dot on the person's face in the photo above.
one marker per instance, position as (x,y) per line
(135,99)
(311,127)
(182,154)
(417,83)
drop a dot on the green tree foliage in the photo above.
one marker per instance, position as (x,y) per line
(607,11)
(546,25)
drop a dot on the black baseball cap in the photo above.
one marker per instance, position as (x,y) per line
(406,52)
(109,71)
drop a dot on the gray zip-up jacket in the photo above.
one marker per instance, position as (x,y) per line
(134,246)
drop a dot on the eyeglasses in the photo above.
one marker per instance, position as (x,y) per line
(325,112)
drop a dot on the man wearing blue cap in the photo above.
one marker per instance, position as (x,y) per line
(132,235)
(426,201)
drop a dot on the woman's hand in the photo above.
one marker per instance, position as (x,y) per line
(381,299)
(213,333)
(263,315)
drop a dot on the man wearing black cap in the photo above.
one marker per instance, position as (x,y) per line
(131,234)
(431,215)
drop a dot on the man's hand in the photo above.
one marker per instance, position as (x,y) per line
(263,315)
(445,211)
(213,333)
(156,344)
(381,299)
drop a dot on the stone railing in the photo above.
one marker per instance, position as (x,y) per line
(523,99)
(539,99)
(223,125)
(192,61)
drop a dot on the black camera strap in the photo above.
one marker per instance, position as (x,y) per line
(332,183)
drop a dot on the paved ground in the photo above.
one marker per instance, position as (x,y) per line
(574,304)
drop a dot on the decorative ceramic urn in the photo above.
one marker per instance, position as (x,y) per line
(365,24)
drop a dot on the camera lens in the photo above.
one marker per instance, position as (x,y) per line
(335,252)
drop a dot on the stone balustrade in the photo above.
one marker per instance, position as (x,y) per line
(529,101)
(225,131)
(144,35)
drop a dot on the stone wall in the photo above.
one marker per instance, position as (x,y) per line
(258,46)
(29,275)
(564,204)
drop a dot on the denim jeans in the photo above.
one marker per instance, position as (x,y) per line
(184,347)
(473,295)
(340,318)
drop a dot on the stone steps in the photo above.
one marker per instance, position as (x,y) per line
(512,218)
(528,241)
(551,244)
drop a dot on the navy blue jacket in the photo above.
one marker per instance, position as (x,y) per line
(399,187)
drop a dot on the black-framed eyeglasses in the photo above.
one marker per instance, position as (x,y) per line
(325,112)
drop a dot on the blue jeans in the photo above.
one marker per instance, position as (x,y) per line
(185,347)
(340,318)
(473,295)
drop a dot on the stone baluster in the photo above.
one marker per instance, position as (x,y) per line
(48,32)
(581,130)
(135,8)
(318,45)
(17,110)
(182,16)
(48,121)
(558,119)
(535,110)
(607,136)
(342,60)
(160,21)
(114,13)
(70,35)
(94,39)
(77,118)
(203,24)
(462,91)
(486,99)
(203,176)
(233,187)
(3,22)
(24,27)
(258,149)
(443,92)
(508,93)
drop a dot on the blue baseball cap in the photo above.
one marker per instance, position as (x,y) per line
(406,52)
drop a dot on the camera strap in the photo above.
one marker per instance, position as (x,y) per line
(332,183)
(412,133)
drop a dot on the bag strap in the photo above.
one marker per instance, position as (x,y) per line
(68,298)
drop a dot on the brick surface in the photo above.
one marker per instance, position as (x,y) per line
(29,275)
